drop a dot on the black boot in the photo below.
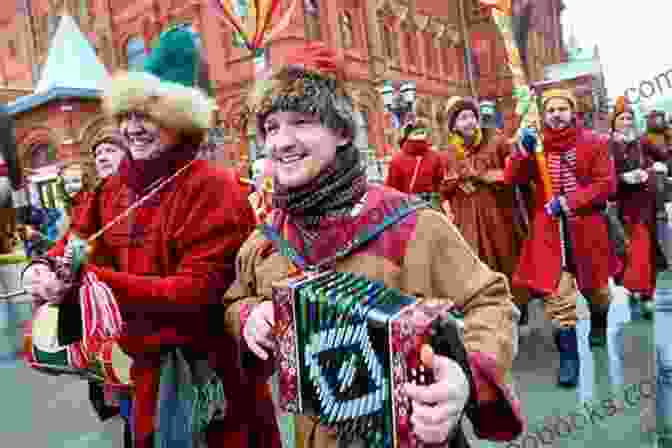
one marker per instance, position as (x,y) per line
(565,341)
(524,317)
(646,304)
(598,325)
(635,306)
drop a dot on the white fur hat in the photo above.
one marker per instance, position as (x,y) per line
(172,105)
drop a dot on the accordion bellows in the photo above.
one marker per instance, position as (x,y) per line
(346,347)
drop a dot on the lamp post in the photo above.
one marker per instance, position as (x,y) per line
(399,103)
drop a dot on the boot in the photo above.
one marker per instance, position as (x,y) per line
(524,316)
(598,325)
(565,341)
(635,306)
(646,306)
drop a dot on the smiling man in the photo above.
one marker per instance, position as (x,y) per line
(569,235)
(323,208)
(171,259)
(109,149)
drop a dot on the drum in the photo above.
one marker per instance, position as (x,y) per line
(44,350)
(346,347)
(116,365)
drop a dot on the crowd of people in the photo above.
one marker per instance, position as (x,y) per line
(191,260)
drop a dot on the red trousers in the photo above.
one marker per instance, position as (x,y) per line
(639,275)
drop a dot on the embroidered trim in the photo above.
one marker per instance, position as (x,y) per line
(287,250)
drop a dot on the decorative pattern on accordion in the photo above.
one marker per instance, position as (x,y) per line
(346,347)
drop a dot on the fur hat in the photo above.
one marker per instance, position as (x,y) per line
(309,81)
(622,106)
(565,94)
(168,90)
(107,134)
(457,105)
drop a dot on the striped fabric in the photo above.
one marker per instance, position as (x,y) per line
(562,170)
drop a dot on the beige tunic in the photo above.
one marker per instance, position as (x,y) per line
(437,263)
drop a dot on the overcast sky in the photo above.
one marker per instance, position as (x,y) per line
(634,38)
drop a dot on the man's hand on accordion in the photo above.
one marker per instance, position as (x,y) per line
(258,330)
(437,407)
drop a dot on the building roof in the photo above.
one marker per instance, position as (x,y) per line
(72,62)
(72,71)
(29,102)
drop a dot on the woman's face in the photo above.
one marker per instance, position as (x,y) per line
(73,180)
(108,157)
(300,147)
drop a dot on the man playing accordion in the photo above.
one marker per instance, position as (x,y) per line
(322,204)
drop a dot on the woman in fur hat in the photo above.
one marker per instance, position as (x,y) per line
(322,204)
(172,258)
(417,168)
(636,198)
(482,205)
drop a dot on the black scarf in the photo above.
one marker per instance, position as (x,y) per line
(335,191)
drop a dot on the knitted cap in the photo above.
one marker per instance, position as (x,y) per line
(565,94)
(457,105)
(622,106)
(309,81)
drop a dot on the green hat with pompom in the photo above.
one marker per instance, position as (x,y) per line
(176,57)
(173,88)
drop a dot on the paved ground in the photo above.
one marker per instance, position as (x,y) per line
(43,411)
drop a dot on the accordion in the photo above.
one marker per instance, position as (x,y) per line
(346,346)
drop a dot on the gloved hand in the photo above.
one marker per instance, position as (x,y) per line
(554,207)
(634,177)
(660,168)
(528,140)
(668,211)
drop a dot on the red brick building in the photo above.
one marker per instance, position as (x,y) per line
(420,40)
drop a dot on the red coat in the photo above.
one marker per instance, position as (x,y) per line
(174,257)
(402,167)
(540,265)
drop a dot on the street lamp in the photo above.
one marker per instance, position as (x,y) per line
(400,104)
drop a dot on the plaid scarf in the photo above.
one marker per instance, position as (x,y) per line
(334,192)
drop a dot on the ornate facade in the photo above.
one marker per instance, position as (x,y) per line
(420,40)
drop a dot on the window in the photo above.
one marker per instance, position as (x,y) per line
(347,30)
(11,45)
(311,10)
(410,47)
(390,44)
(135,53)
(431,54)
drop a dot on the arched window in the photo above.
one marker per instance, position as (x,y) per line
(347,34)
(410,47)
(135,53)
(390,44)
